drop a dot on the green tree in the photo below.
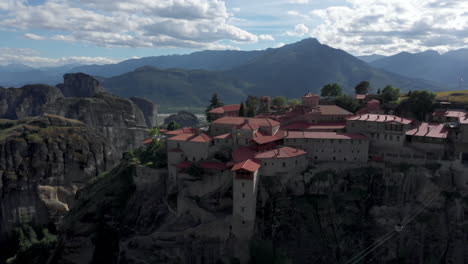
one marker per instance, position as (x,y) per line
(153,132)
(420,103)
(379,92)
(251,104)
(242,109)
(362,87)
(215,102)
(154,155)
(347,102)
(409,93)
(293,102)
(390,94)
(173,125)
(278,101)
(332,90)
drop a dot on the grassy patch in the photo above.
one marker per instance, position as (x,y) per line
(453,96)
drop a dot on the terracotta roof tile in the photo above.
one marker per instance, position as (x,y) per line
(201,138)
(428,130)
(333,110)
(261,122)
(247,165)
(381,118)
(181,137)
(324,135)
(224,136)
(226,108)
(280,153)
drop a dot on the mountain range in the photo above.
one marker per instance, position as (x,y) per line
(448,69)
(291,70)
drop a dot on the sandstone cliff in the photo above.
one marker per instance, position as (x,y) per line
(43,162)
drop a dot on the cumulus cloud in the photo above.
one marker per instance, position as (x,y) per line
(32,58)
(266,37)
(128,23)
(33,36)
(391,26)
(279,45)
(302,2)
(299,30)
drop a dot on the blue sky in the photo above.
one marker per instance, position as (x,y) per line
(56,32)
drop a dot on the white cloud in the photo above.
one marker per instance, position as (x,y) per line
(302,2)
(32,58)
(236,9)
(299,30)
(266,37)
(33,36)
(129,23)
(279,45)
(391,26)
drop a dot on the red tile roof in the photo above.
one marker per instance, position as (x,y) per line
(214,165)
(261,122)
(361,96)
(310,95)
(185,130)
(148,141)
(333,110)
(181,137)
(319,126)
(191,137)
(267,139)
(201,138)
(280,153)
(381,118)
(324,135)
(248,126)
(450,113)
(428,130)
(247,165)
(243,153)
(224,136)
(226,108)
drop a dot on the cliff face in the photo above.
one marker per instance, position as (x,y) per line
(43,162)
(16,103)
(116,118)
(323,216)
(80,85)
(149,110)
(121,120)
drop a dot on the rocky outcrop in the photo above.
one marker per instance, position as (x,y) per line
(322,216)
(184,119)
(16,103)
(149,110)
(118,119)
(121,120)
(80,85)
(43,162)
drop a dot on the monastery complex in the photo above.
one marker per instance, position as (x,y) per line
(284,143)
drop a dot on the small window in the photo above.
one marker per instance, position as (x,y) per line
(243,222)
(243,195)
(334,158)
(242,209)
(284,164)
(243,184)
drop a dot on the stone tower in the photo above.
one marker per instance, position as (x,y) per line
(264,104)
